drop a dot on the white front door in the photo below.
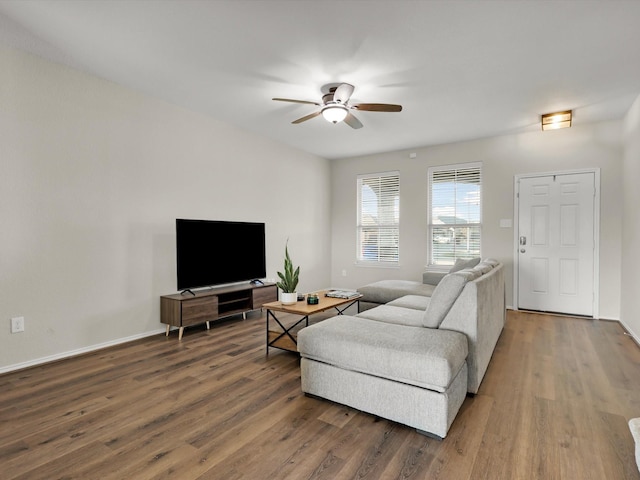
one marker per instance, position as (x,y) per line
(556,243)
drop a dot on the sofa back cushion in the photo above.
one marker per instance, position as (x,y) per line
(464,263)
(444,295)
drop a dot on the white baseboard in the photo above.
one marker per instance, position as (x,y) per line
(79,351)
(630,332)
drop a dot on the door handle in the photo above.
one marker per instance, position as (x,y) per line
(523,240)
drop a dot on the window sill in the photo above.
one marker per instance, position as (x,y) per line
(376,264)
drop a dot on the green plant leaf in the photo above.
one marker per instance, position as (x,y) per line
(289,279)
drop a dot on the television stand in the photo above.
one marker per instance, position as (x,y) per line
(181,311)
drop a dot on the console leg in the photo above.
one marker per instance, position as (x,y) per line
(180,332)
(167,332)
(207,325)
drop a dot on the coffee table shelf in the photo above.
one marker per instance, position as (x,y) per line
(276,340)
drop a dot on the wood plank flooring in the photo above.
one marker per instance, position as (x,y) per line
(554,404)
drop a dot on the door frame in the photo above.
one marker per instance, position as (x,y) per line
(596,232)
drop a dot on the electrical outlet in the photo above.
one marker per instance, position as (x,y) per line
(17,324)
(344,273)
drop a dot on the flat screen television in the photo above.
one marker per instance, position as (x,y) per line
(211,252)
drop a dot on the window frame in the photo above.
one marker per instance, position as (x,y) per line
(453,168)
(387,176)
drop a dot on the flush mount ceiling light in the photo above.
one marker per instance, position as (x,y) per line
(334,112)
(553,121)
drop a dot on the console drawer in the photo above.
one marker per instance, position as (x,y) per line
(262,295)
(199,310)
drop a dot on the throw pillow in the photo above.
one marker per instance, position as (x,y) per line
(463,263)
(483,267)
(472,272)
(443,296)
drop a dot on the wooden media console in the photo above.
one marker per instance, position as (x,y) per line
(185,309)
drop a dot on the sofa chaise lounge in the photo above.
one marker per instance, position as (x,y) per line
(414,359)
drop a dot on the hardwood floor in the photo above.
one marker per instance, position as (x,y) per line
(554,404)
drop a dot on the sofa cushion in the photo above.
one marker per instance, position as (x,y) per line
(472,273)
(483,268)
(412,355)
(394,314)
(443,296)
(385,291)
(417,302)
(462,263)
(491,261)
(486,265)
(432,277)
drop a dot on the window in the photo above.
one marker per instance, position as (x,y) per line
(455,193)
(378,218)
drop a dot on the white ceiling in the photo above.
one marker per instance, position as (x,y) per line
(461,69)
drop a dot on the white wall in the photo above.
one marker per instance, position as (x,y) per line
(631,223)
(92,178)
(588,146)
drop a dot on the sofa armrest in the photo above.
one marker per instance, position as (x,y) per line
(479,312)
(432,278)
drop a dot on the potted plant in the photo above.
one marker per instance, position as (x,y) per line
(288,280)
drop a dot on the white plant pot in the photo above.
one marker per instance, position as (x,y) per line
(288,298)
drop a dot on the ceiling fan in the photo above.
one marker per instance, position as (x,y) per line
(335,106)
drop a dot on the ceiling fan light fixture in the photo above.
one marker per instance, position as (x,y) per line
(335,106)
(553,121)
(334,113)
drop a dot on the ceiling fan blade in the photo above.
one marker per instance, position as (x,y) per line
(343,93)
(307,117)
(378,107)
(352,121)
(295,101)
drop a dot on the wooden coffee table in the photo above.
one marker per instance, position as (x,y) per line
(284,338)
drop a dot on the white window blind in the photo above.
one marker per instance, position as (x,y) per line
(378,218)
(454,211)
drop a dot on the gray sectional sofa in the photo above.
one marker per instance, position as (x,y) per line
(413,359)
